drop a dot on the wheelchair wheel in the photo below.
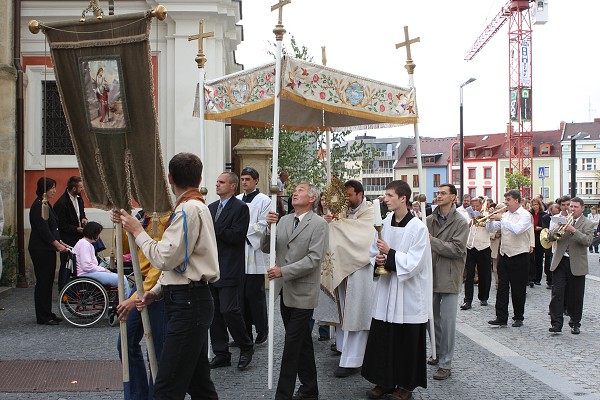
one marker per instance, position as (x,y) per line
(83,302)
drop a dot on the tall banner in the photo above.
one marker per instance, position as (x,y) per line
(103,71)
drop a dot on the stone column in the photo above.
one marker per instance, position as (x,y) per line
(258,154)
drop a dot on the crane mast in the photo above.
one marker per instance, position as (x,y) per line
(520,132)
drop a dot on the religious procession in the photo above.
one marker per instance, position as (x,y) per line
(295,276)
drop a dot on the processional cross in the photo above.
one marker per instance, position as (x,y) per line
(410,65)
(200,57)
(279,31)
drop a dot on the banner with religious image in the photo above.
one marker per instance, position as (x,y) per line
(104,75)
(313,97)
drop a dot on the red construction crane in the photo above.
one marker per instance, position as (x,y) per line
(520,134)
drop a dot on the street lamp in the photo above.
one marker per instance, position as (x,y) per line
(580,135)
(462,142)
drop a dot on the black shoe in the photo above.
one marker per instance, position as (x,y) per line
(575,330)
(245,359)
(305,396)
(483,303)
(517,324)
(220,361)
(57,319)
(466,306)
(555,329)
(343,372)
(531,284)
(323,338)
(549,286)
(333,348)
(261,338)
(538,283)
(497,322)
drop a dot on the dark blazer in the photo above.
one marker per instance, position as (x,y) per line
(43,232)
(67,218)
(540,223)
(231,229)
(546,218)
(299,253)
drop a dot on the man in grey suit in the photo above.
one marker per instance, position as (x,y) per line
(569,267)
(301,242)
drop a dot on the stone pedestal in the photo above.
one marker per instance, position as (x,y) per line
(258,154)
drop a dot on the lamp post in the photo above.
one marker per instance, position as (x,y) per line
(462,142)
(580,135)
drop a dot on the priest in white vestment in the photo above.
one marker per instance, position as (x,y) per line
(395,357)
(348,276)
(254,303)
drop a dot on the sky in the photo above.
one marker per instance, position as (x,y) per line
(360,38)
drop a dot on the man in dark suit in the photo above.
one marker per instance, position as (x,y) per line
(569,268)
(231,217)
(552,210)
(71,220)
(301,242)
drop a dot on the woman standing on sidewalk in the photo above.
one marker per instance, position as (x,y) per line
(595,218)
(44,242)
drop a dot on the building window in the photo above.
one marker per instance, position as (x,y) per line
(411,161)
(376,184)
(472,173)
(456,154)
(404,178)
(507,152)
(487,152)
(506,172)
(415,181)
(471,153)
(472,192)
(487,192)
(545,150)
(456,177)
(526,150)
(589,164)
(436,180)
(589,187)
(526,171)
(55,133)
(429,160)
(487,173)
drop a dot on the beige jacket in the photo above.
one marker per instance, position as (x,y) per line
(448,249)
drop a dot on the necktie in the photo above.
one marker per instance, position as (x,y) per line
(219,209)
(296,222)
(245,198)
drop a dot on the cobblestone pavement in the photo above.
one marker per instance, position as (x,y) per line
(489,362)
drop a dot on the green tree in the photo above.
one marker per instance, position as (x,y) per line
(516,180)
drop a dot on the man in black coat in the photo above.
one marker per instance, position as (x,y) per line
(71,220)
(231,217)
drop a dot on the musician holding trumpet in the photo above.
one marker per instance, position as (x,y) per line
(569,266)
(515,225)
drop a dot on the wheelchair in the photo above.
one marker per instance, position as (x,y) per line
(83,301)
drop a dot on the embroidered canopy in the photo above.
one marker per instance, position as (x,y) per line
(313,97)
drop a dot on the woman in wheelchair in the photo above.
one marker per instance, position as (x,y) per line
(87,263)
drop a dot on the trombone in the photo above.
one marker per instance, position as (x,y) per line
(547,236)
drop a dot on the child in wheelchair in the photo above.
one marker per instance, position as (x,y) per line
(87,262)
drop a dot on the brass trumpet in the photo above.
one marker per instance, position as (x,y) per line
(481,221)
(548,236)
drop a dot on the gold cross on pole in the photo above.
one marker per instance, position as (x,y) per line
(200,57)
(410,66)
(280,7)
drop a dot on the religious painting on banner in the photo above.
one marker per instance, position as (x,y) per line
(101,79)
(104,75)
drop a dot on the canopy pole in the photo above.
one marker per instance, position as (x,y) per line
(279,31)
(201,61)
(121,291)
(410,67)
(327,131)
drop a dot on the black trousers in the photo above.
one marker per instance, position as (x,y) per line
(184,364)
(44,267)
(298,354)
(536,265)
(547,264)
(482,259)
(574,296)
(228,316)
(254,304)
(513,274)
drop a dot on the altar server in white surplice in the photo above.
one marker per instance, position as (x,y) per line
(254,303)
(395,358)
(347,273)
